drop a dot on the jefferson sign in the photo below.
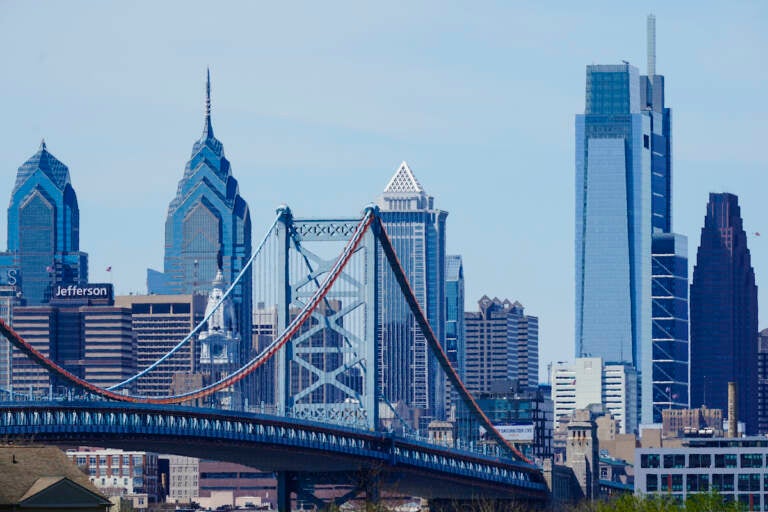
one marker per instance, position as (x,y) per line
(88,291)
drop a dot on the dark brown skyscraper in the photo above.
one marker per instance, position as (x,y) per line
(724,313)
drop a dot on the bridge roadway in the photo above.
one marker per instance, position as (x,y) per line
(272,443)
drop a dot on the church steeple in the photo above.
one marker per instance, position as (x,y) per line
(207,128)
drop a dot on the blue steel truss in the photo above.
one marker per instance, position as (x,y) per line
(345,392)
(182,429)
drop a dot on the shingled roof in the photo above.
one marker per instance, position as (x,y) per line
(26,471)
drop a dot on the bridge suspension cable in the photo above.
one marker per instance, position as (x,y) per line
(293,327)
(437,349)
(202,322)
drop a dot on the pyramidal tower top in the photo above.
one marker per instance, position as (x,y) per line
(404,192)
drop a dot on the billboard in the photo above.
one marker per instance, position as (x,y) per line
(516,433)
(83,292)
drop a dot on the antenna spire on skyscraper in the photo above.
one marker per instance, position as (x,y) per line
(651,36)
(208,128)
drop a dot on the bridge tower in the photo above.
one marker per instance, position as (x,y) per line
(328,371)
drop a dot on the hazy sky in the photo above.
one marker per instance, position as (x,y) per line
(317,104)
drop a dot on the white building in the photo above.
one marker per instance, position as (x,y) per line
(732,467)
(590,381)
(130,474)
(183,479)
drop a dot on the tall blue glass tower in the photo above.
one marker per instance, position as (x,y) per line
(454,312)
(208,226)
(629,265)
(613,220)
(43,230)
(417,230)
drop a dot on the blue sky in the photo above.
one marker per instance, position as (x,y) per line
(318,103)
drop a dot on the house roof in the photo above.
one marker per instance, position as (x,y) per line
(28,470)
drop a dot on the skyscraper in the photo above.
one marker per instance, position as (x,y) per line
(613,222)
(43,230)
(208,227)
(417,230)
(762,383)
(502,347)
(454,312)
(724,313)
(623,201)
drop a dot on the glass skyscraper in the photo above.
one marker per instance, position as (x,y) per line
(724,335)
(623,202)
(208,226)
(454,312)
(613,222)
(417,229)
(43,231)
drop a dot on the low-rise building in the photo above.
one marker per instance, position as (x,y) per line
(130,474)
(736,468)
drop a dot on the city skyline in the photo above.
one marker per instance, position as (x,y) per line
(453,101)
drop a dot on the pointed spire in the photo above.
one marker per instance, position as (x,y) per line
(42,144)
(207,128)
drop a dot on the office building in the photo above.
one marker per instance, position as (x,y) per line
(159,323)
(264,378)
(454,312)
(183,474)
(120,473)
(589,380)
(762,382)
(734,468)
(81,330)
(417,229)
(501,347)
(670,323)
(523,347)
(623,197)
(724,313)
(208,227)
(43,231)
(525,418)
(9,298)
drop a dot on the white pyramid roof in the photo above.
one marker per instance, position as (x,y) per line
(404,181)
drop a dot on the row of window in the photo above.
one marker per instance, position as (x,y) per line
(697,482)
(704,460)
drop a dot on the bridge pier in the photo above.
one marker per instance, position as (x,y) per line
(285,487)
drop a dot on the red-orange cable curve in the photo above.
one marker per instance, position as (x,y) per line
(16,340)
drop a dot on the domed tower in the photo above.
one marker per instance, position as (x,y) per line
(220,343)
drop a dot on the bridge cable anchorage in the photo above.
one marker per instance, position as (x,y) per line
(394,262)
(16,340)
(202,322)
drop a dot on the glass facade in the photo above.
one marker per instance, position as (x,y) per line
(43,230)
(613,223)
(670,323)
(724,313)
(454,312)
(623,199)
(208,226)
(409,372)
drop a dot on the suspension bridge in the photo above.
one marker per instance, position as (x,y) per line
(339,295)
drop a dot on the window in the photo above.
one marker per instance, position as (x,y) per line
(749,482)
(697,483)
(722,483)
(725,460)
(651,483)
(646,141)
(674,461)
(673,481)
(649,460)
(751,460)
(699,460)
